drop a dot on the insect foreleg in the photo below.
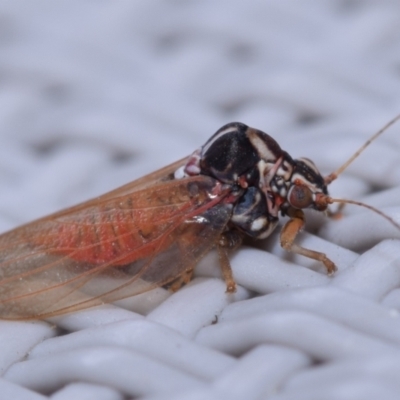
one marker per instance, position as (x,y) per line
(288,236)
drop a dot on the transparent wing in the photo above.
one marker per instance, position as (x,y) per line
(119,245)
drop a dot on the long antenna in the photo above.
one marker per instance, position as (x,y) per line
(331,177)
(330,200)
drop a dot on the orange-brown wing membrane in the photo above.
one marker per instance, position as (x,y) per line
(117,247)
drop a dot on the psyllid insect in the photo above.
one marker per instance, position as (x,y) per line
(152,232)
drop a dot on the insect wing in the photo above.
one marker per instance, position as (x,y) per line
(126,242)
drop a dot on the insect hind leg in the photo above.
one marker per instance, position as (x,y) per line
(182,280)
(288,236)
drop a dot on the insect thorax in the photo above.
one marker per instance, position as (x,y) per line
(255,166)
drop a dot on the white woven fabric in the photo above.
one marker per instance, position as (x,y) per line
(94,94)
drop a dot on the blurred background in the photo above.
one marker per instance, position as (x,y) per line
(96,93)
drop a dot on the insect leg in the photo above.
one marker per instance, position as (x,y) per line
(228,240)
(289,233)
(184,279)
(226,269)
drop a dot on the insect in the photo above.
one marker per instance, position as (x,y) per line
(152,232)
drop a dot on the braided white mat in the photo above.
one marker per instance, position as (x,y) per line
(95,94)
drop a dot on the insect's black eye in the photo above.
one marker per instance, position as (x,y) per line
(300,196)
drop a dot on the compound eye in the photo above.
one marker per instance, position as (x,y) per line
(300,196)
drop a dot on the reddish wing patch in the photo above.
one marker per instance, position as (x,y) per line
(109,248)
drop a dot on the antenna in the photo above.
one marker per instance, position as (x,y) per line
(330,200)
(331,177)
